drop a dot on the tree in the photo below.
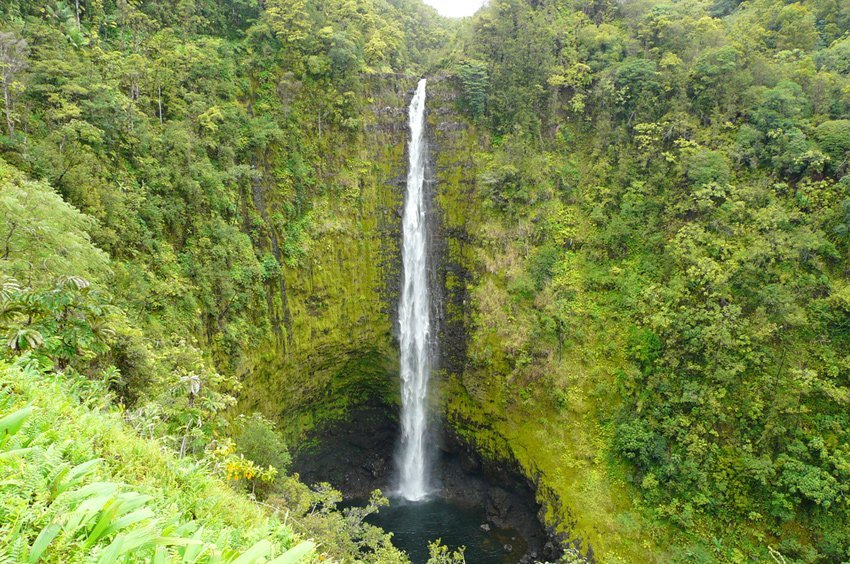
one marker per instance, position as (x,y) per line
(637,88)
(836,58)
(438,553)
(475,82)
(289,20)
(796,27)
(713,81)
(834,139)
(13,59)
(259,441)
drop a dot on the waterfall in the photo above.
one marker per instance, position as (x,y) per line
(415,315)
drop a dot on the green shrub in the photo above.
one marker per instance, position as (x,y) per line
(257,439)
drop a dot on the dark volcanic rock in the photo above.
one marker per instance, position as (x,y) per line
(356,457)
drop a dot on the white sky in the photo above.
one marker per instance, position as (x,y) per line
(455,8)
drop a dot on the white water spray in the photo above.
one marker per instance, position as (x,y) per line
(415,315)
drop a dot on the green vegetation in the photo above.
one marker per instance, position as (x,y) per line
(92,475)
(658,334)
(164,175)
(646,209)
(79,484)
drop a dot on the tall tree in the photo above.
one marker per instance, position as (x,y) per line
(13,59)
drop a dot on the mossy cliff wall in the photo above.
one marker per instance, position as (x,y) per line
(467,394)
(334,347)
(333,344)
(510,396)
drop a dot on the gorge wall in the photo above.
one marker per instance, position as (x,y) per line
(330,373)
(334,344)
(334,348)
(333,357)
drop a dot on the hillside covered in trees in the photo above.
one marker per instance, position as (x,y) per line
(644,218)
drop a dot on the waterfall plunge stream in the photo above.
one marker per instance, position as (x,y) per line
(415,315)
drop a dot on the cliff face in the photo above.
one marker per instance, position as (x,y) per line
(334,345)
(335,352)
(477,399)
(495,370)
(455,143)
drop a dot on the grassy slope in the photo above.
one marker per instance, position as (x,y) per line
(70,425)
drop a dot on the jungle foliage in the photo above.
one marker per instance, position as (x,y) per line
(663,193)
(672,177)
(158,169)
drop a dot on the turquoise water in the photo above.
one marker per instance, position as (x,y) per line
(415,524)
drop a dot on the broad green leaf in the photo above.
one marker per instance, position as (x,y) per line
(42,541)
(112,552)
(68,478)
(295,554)
(128,520)
(11,424)
(259,550)
(110,511)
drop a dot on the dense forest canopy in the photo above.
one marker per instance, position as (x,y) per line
(660,239)
(677,171)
